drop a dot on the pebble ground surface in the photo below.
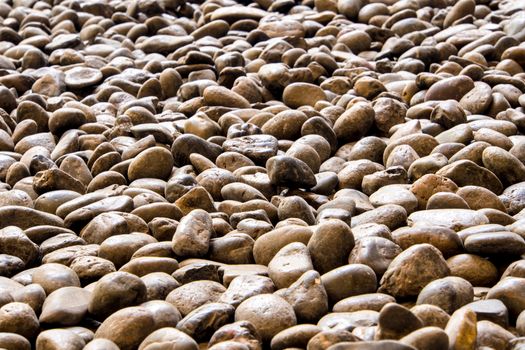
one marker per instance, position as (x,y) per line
(275,174)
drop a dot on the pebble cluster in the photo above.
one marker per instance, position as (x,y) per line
(275,174)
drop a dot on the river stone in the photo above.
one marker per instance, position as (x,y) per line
(396,321)
(449,293)
(461,329)
(479,197)
(427,338)
(186,144)
(59,339)
(270,243)
(169,336)
(453,88)
(164,313)
(202,322)
(302,94)
(494,243)
(232,14)
(295,207)
(66,306)
(14,341)
(91,268)
(375,252)
(54,276)
(475,269)
(444,239)
(14,242)
(190,296)
(144,265)
(454,219)
(448,113)
(504,165)
(101,343)
(431,315)
(492,335)
(221,96)
(516,269)
(196,198)
(25,218)
(355,122)
(430,184)
(120,248)
(289,264)
(331,243)
(478,99)
(127,327)
(243,287)
(461,9)
(81,216)
(270,314)
(350,320)
(326,338)
(510,292)
(492,310)
(115,291)
(394,194)
(241,333)
(466,172)
(307,296)
(290,172)
(258,148)
(81,77)
(164,44)
(19,318)
(10,265)
(391,215)
(349,280)
(296,336)
(155,162)
(192,237)
(17,198)
(32,294)
(405,278)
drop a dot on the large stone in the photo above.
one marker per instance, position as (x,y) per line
(412,270)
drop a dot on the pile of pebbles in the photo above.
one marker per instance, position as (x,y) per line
(220,174)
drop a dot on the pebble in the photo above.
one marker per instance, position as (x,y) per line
(308,296)
(19,318)
(302,94)
(192,237)
(59,339)
(155,162)
(508,291)
(202,322)
(427,338)
(65,306)
(330,244)
(461,329)
(190,296)
(283,170)
(115,291)
(54,276)
(127,327)
(288,264)
(349,280)
(454,219)
(473,268)
(270,314)
(405,278)
(449,293)
(395,327)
